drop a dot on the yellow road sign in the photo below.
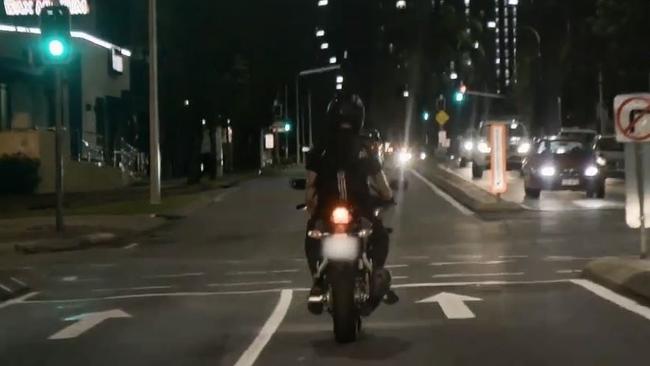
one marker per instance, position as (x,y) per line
(442,118)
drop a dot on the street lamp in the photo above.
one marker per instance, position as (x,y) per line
(333,60)
(453,75)
(324,46)
(320,33)
(323,3)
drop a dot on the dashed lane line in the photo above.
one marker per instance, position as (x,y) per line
(458,275)
(458,263)
(236,284)
(143,288)
(176,275)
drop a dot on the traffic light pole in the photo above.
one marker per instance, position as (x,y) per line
(58,145)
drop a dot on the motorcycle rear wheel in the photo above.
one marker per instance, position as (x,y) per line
(347,322)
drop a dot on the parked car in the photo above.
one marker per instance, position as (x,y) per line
(477,150)
(610,156)
(563,164)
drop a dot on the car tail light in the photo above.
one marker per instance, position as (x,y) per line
(341,216)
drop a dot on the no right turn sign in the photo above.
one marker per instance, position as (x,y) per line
(632,117)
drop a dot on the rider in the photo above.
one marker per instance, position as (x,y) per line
(345,150)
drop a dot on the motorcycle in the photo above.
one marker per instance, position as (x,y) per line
(352,288)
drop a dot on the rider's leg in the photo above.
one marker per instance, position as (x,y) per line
(313,253)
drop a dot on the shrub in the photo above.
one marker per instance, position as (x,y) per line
(18,174)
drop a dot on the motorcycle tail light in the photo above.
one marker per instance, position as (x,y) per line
(341,216)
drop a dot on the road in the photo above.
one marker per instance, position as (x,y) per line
(553,201)
(227,286)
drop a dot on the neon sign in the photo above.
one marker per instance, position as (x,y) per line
(34,7)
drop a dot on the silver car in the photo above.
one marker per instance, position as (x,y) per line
(610,155)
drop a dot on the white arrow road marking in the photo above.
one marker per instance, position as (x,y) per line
(452,305)
(85,322)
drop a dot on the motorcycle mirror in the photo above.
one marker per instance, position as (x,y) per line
(301,207)
(299,184)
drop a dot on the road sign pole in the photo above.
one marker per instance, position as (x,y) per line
(58,146)
(638,150)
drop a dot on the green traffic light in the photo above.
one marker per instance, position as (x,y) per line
(460,97)
(287,127)
(56,48)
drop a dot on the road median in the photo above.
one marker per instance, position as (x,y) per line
(625,275)
(467,193)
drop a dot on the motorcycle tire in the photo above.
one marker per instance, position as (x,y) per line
(347,322)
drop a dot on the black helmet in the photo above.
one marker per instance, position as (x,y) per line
(346,111)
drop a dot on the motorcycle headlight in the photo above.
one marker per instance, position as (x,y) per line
(468,145)
(483,147)
(601,161)
(547,171)
(423,156)
(524,148)
(591,171)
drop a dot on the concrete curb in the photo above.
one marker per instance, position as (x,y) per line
(12,287)
(62,245)
(467,193)
(631,276)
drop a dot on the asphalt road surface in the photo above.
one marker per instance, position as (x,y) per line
(553,200)
(227,286)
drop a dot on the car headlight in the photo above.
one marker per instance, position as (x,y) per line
(483,147)
(423,156)
(601,161)
(547,171)
(591,171)
(468,145)
(404,157)
(524,148)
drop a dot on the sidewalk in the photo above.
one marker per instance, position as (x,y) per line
(626,275)
(103,218)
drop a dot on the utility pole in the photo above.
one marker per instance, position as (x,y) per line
(154,128)
(298,152)
(58,146)
(601,103)
(311,126)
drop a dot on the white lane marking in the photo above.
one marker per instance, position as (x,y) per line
(415,257)
(144,288)
(454,275)
(131,246)
(17,300)
(611,296)
(164,294)
(396,266)
(568,271)
(453,305)
(69,278)
(459,206)
(399,277)
(567,258)
(18,281)
(7,289)
(251,273)
(513,256)
(465,257)
(251,354)
(286,271)
(176,275)
(235,284)
(477,283)
(440,264)
(103,265)
(297,289)
(85,322)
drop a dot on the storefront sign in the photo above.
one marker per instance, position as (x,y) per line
(34,7)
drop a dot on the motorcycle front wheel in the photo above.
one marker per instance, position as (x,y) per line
(347,322)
